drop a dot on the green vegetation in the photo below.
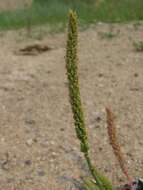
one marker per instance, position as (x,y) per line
(54,12)
(138,46)
(108,35)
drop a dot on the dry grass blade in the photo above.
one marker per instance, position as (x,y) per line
(114,143)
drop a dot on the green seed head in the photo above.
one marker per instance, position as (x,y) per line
(72,73)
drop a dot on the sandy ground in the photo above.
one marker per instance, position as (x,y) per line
(13,4)
(38,145)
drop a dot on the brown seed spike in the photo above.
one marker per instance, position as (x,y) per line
(114,143)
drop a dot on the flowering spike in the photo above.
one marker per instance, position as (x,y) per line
(75,100)
(74,93)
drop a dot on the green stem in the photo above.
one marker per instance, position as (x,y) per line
(93,171)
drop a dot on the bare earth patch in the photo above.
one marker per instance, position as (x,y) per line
(38,145)
(14,4)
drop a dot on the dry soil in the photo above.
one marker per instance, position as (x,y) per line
(38,145)
(13,4)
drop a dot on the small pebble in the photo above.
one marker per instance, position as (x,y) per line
(2,139)
(41,173)
(136,74)
(29,142)
(28,162)
(52,142)
(30,121)
(54,154)
(100,75)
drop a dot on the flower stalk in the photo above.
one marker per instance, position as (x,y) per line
(114,143)
(75,100)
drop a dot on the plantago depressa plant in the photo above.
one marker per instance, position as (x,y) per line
(97,181)
(74,93)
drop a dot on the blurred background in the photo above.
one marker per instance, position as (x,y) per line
(14,14)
